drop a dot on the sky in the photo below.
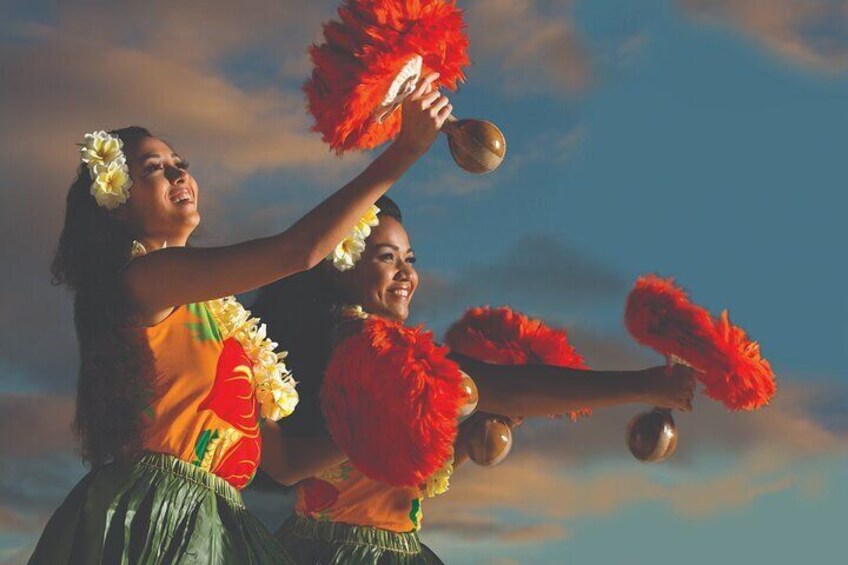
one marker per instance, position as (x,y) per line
(700,139)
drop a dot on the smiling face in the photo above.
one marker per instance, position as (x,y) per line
(384,280)
(163,197)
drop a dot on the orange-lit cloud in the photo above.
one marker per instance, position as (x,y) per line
(811,33)
(472,526)
(553,474)
(534,50)
(35,424)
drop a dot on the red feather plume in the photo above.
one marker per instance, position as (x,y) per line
(362,54)
(503,336)
(661,316)
(390,398)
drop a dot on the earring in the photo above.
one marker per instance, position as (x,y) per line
(138,249)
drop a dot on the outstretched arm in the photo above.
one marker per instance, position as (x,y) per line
(170,277)
(539,390)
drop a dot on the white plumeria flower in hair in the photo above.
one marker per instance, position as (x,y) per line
(349,251)
(100,148)
(111,184)
(107,166)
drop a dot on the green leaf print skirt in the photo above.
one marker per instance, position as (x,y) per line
(315,542)
(157,510)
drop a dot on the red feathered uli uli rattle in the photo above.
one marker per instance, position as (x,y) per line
(660,315)
(373,59)
(503,336)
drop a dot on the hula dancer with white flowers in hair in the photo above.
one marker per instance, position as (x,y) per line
(174,374)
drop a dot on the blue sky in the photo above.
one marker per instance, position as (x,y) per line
(701,139)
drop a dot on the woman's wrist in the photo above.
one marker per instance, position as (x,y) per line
(406,149)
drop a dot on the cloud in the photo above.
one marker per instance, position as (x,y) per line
(12,522)
(809,33)
(561,471)
(472,527)
(534,49)
(536,268)
(35,424)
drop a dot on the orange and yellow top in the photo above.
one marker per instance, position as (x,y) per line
(343,494)
(202,406)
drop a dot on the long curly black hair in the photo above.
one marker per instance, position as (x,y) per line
(114,384)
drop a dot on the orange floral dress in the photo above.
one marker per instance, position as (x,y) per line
(202,407)
(343,494)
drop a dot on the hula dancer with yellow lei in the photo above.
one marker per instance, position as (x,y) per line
(361,472)
(175,375)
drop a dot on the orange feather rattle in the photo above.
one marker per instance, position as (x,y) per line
(660,315)
(374,57)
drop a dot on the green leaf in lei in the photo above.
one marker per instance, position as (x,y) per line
(201,444)
(415,514)
(146,405)
(205,329)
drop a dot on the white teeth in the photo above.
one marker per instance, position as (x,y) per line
(180,197)
(402,292)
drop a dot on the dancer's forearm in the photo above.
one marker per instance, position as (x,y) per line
(538,390)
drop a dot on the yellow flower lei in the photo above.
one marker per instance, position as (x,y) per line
(439,481)
(349,250)
(273,382)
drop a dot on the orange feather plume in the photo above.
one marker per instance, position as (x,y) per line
(363,53)
(660,315)
(503,336)
(390,397)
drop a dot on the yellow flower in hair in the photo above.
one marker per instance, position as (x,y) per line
(349,251)
(111,184)
(367,221)
(100,148)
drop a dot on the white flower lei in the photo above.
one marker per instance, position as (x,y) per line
(349,251)
(273,382)
(439,482)
(107,166)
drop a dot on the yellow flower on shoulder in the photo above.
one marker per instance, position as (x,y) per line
(439,481)
(111,184)
(277,398)
(273,382)
(100,148)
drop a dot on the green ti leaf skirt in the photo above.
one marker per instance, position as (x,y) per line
(157,510)
(315,542)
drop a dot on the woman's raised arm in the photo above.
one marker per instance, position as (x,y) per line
(175,276)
